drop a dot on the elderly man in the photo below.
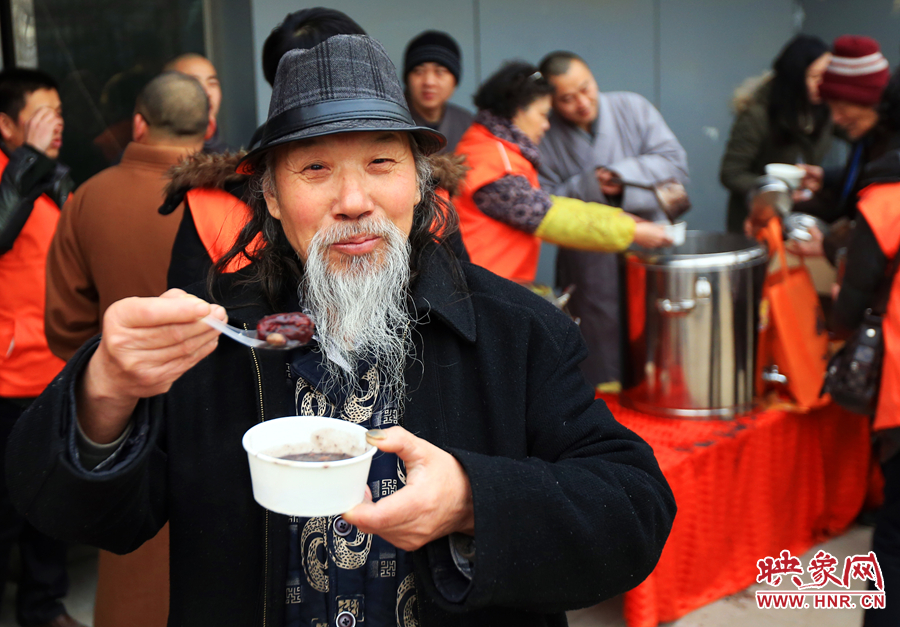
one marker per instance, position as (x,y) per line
(594,140)
(432,65)
(507,496)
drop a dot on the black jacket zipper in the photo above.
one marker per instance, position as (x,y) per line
(262,416)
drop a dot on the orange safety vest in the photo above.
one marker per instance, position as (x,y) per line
(26,364)
(880,205)
(219,218)
(500,248)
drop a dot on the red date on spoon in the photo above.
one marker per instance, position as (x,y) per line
(278,329)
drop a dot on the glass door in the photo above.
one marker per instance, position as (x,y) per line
(102,52)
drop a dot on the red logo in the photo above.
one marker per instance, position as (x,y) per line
(822,570)
(770,570)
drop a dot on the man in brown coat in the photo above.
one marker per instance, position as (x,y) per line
(112,243)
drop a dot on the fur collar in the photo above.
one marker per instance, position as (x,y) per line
(205,170)
(505,129)
(209,170)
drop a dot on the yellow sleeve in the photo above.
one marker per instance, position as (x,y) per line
(586,226)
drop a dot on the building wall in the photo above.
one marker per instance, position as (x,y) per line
(686,56)
(230,45)
(879,19)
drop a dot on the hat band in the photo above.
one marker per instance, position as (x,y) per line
(300,118)
(851,67)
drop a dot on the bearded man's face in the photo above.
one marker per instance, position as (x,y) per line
(346,205)
(335,181)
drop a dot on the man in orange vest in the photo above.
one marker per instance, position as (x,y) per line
(32,189)
(111,244)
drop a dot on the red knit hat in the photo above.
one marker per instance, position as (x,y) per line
(858,72)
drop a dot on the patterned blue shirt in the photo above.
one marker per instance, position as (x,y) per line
(338,576)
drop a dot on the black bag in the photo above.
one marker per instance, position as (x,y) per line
(853,376)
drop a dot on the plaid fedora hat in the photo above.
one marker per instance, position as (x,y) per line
(346,83)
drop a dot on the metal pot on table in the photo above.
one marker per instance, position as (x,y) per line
(692,316)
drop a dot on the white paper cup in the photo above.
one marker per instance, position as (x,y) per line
(676,232)
(298,488)
(790,174)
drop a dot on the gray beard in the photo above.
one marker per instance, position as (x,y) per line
(359,305)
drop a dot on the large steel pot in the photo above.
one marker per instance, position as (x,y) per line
(692,324)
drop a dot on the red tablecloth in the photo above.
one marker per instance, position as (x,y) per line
(745,489)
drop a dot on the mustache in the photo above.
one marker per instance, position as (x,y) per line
(377,226)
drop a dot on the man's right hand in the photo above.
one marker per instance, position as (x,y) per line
(43,127)
(147,344)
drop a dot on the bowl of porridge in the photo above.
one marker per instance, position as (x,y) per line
(308,465)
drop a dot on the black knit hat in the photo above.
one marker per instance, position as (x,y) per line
(436,47)
(346,83)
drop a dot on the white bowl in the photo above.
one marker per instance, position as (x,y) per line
(790,174)
(676,232)
(300,488)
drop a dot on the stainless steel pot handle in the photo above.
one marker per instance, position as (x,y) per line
(771,375)
(702,290)
(675,307)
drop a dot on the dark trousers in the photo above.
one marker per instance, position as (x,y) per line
(596,301)
(886,544)
(44,579)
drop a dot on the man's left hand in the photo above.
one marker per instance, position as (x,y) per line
(436,501)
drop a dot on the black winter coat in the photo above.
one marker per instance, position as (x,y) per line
(570,507)
(866,262)
(828,203)
(28,174)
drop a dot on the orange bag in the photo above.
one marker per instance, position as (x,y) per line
(792,327)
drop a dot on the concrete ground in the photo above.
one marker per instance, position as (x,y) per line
(738,610)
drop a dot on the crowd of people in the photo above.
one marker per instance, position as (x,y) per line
(345,201)
(401,223)
(814,95)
